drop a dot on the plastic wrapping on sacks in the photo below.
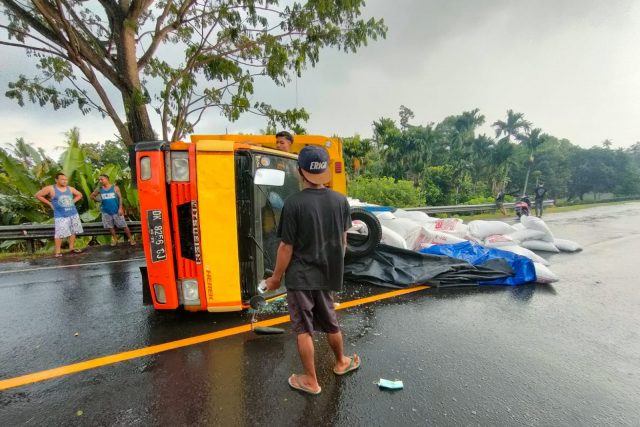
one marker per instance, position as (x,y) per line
(398,268)
(524,234)
(482,229)
(543,274)
(535,223)
(525,252)
(540,245)
(522,267)
(565,245)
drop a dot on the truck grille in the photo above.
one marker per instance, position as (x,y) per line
(187,253)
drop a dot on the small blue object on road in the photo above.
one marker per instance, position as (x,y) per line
(390,385)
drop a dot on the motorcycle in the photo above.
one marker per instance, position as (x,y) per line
(523,206)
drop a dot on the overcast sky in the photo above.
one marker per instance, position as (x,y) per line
(571,66)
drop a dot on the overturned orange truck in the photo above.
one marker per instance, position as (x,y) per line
(209,211)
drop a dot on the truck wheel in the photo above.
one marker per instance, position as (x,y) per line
(362,245)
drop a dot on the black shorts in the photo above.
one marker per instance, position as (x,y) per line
(312,311)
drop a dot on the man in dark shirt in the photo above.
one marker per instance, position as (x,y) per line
(539,193)
(313,229)
(500,202)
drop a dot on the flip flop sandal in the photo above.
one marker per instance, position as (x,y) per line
(302,388)
(58,255)
(76,251)
(353,365)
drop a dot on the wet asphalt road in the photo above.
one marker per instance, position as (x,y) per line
(566,354)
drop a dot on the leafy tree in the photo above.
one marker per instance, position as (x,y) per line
(23,171)
(405,115)
(179,58)
(386,191)
(355,151)
(500,165)
(513,128)
(106,153)
(298,129)
(531,140)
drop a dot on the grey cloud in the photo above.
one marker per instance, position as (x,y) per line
(567,64)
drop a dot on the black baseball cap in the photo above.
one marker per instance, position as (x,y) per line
(313,160)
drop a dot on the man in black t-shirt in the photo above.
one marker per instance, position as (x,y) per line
(539,193)
(500,202)
(313,228)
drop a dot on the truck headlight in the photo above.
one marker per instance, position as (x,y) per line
(180,166)
(145,168)
(190,293)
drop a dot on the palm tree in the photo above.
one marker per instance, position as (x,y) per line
(532,140)
(513,127)
(501,160)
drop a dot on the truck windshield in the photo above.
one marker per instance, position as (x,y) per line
(269,201)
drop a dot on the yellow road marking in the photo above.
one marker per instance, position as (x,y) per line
(172,345)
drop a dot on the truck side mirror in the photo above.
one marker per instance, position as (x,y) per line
(272,177)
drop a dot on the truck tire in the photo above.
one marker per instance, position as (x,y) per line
(358,245)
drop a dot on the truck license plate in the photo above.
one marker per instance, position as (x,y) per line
(156,235)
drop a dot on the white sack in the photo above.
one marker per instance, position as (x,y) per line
(482,229)
(417,238)
(438,238)
(535,223)
(525,252)
(525,234)
(540,245)
(358,227)
(497,240)
(391,238)
(384,215)
(518,226)
(402,226)
(567,245)
(453,226)
(418,216)
(543,274)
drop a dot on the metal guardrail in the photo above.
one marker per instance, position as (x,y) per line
(31,232)
(470,208)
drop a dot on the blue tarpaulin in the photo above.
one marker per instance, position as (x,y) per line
(524,271)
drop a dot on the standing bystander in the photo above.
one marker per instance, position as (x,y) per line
(539,192)
(62,199)
(111,208)
(500,202)
(313,229)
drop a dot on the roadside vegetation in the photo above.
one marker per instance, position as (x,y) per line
(25,169)
(450,163)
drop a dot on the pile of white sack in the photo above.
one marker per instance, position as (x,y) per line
(416,230)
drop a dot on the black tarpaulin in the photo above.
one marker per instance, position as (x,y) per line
(393,267)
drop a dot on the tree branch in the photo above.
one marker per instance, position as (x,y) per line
(39,49)
(160,34)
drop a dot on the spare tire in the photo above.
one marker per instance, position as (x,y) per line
(359,245)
